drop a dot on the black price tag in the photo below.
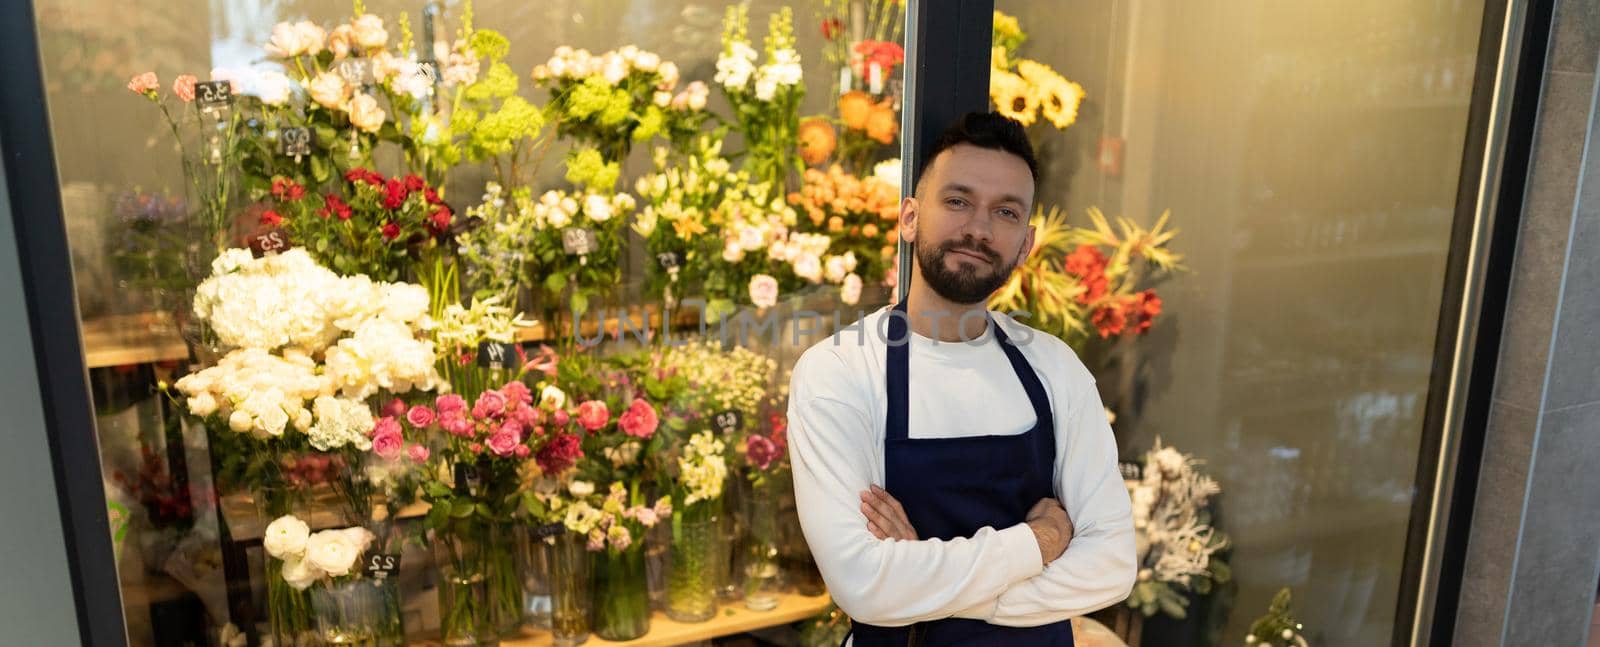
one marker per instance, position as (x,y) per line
(295,141)
(269,242)
(578,240)
(466,477)
(496,356)
(669,260)
(728,422)
(1131,471)
(382,565)
(355,71)
(549,530)
(213,94)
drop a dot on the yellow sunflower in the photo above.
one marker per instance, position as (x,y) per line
(1058,98)
(1013,97)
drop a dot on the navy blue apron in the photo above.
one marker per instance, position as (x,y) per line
(952,487)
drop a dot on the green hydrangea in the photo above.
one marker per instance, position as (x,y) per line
(585,167)
(462,121)
(650,124)
(498,83)
(497,132)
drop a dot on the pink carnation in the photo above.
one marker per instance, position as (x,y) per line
(420,416)
(523,451)
(490,404)
(144,83)
(517,392)
(183,86)
(639,420)
(450,402)
(593,415)
(561,418)
(417,452)
(387,444)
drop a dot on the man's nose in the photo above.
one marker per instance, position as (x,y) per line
(979,227)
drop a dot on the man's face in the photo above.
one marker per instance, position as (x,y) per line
(969,220)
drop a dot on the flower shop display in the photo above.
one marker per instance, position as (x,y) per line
(576,244)
(681,219)
(379,227)
(862,42)
(861,214)
(207,133)
(765,98)
(608,102)
(1178,547)
(1081,283)
(1278,626)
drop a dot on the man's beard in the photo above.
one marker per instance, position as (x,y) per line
(966,284)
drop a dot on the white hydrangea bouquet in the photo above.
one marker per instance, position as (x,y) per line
(765,97)
(1178,547)
(307,355)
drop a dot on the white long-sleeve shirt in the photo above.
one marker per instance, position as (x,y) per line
(837,410)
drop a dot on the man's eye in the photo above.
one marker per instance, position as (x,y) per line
(956,202)
(1008,214)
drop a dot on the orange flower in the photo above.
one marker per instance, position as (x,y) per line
(882,125)
(817,140)
(855,107)
(870,230)
(835,224)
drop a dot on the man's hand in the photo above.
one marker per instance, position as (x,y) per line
(1051,527)
(885,518)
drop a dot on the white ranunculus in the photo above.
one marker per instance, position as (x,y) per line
(581,489)
(285,537)
(333,552)
(299,573)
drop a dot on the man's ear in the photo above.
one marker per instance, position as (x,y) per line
(908,218)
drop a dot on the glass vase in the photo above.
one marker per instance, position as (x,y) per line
(462,555)
(691,583)
(621,595)
(729,565)
(288,610)
(570,588)
(505,580)
(761,570)
(348,612)
(533,562)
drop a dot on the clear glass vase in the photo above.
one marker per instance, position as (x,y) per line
(463,556)
(570,588)
(691,583)
(533,562)
(621,595)
(288,610)
(761,571)
(348,612)
(505,579)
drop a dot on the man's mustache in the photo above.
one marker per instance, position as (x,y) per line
(976,248)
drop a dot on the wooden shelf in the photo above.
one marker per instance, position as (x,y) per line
(120,340)
(665,632)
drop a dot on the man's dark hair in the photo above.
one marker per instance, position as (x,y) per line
(990,130)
